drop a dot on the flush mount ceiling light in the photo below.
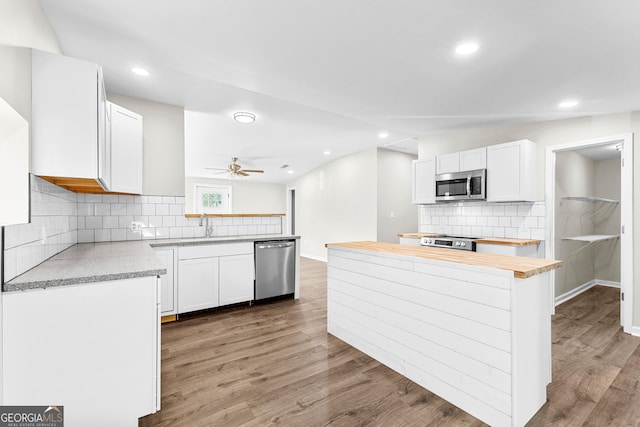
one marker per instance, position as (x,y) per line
(467,48)
(326,152)
(244,117)
(383,135)
(140,71)
(569,103)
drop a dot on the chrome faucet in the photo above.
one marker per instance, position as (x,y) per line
(208,230)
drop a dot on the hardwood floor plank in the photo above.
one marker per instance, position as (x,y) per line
(274,364)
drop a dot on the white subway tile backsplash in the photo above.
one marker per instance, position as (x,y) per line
(162,209)
(538,233)
(118,234)
(60,219)
(483,219)
(86,236)
(134,209)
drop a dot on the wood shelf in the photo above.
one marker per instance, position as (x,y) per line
(592,238)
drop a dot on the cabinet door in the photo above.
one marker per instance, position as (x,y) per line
(511,171)
(424,172)
(126,151)
(473,159)
(236,279)
(448,163)
(197,284)
(167,286)
(14,166)
(65,117)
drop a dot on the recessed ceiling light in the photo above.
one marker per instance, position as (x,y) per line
(326,152)
(383,135)
(290,172)
(467,48)
(140,71)
(244,117)
(569,103)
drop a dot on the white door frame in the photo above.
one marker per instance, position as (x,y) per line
(290,210)
(626,211)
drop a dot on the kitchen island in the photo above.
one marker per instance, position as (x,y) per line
(473,328)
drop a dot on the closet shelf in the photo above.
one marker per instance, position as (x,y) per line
(592,238)
(590,199)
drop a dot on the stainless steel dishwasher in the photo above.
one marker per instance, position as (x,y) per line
(275,268)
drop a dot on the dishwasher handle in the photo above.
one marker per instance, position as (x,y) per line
(274,245)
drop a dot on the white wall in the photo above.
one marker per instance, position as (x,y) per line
(337,202)
(607,185)
(163,149)
(548,134)
(15,79)
(396,213)
(246,196)
(23,23)
(575,176)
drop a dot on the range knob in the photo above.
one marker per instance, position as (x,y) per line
(463,244)
(457,243)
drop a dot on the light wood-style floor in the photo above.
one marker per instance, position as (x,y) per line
(275,364)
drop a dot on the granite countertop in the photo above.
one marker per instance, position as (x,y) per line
(98,262)
(522,267)
(217,240)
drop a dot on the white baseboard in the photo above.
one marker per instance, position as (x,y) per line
(317,258)
(583,288)
(607,283)
(635,331)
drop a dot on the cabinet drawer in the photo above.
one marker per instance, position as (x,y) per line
(215,250)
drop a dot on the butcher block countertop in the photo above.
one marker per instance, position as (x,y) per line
(522,267)
(419,235)
(510,242)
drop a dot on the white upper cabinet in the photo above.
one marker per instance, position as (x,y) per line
(462,161)
(448,163)
(14,166)
(473,159)
(67,116)
(511,171)
(124,152)
(424,186)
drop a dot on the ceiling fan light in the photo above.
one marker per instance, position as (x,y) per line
(244,117)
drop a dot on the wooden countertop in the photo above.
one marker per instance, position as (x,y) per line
(419,235)
(522,267)
(511,242)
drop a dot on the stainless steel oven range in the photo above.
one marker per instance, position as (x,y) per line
(450,242)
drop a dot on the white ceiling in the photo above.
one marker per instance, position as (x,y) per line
(332,74)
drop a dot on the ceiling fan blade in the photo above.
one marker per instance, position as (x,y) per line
(242,173)
(217,169)
(253,170)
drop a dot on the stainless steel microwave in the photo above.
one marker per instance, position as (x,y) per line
(468,185)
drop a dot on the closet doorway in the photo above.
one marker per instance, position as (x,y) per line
(589,196)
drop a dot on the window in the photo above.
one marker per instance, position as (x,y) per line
(212,199)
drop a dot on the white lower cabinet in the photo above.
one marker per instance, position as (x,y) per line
(197,284)
(236,276)
(214,275)
(96,352)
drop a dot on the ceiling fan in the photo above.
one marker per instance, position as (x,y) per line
(234,169)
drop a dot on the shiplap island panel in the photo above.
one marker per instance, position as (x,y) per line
(477,336)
